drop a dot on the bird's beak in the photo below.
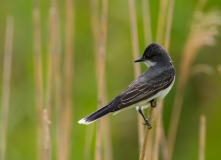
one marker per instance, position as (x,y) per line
(141,59)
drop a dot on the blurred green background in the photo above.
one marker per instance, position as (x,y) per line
(202,93)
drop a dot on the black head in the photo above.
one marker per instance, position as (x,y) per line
(155,54)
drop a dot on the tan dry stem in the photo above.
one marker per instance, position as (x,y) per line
(6,85)
(58,86)
(101,79)
(137,70)
(95,24)
(108,153)
(202,138)
(149,147)
(158,131)
(60,139)
(219,69)
(147,131)
(98,149)
(50,82)
(88,141)
(164,147)
(47,138)
(146,22)
(169,25)
(134,36)
(66,121)
(161,21)
(67,111)
(38,79)
(107,140)
(51,61)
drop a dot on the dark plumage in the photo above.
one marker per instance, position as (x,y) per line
(153,83)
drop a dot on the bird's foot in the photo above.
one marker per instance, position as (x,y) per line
(153,103)
(146,120)
(147,123)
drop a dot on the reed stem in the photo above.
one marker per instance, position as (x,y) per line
(164,147)
(101,77)
(66,113)
(38,78)
(169,25)
(149,148)
(219,69)
(107,140)
(88,141)
(161,21)
(147,22)
(50,82)
(137,70)
(158,131)
(6,85)
(202,138)
(47,138)
(95,25)
(143,151)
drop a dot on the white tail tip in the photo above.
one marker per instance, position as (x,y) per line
(83,121)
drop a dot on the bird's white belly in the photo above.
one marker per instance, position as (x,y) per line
(160,95)
(145,103)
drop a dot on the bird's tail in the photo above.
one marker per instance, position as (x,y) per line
(95,115)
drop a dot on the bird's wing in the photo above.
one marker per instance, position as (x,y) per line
(145,90)
(144,87)
(141,91)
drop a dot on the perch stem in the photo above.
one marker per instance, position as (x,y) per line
(142,155)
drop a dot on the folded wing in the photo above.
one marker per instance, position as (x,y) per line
(142,91)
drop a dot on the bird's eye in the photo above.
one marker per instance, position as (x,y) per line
(149,57)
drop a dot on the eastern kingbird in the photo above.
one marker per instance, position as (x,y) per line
(148,89)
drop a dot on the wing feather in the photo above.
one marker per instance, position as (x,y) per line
(137,93)
(144,87)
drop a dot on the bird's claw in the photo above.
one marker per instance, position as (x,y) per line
(149,125)
(146,123)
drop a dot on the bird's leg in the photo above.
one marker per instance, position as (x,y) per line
(146,120)
(153,103)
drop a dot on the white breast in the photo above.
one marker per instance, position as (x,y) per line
(163,93)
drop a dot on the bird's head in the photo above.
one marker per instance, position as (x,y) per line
(155,54)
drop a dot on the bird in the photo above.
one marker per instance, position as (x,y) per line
(147,89)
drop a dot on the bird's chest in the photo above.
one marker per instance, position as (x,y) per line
(160,95)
